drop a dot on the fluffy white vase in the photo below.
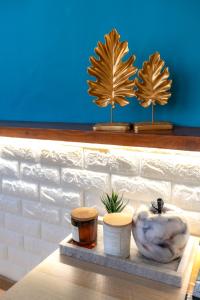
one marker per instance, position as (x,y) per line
(161,237)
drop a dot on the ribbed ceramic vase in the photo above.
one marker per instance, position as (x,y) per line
(117,234)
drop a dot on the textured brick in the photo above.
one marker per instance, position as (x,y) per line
(86,179)
(28,238)
(187,169)
(2,218)
(10,204)
(11,238)
(66,218)
(141,189)
(37,172)
(193,219)
(12,271)
(186,197)
(98,160)
(60,197)
(9,168)
(93,199)
(16,151)
(41,211)
(20,188)
(23,258)
(124,162)
(115,161)
(32,227)
(22,225)
(38,246)
(173,167)
(158,166)
(63,155)
(3,251)
(53,233)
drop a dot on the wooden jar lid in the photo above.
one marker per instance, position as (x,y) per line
(117,219)
(84,214)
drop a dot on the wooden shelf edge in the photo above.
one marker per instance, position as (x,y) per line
(181,138)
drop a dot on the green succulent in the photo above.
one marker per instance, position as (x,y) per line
(113,203)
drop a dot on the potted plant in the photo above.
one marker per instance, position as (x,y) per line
(116,226)
(113,203)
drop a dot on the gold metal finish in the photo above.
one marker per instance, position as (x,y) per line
(112,84)
(120,127)
(153,87)
(148,126)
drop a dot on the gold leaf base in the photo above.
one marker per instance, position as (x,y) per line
(148,126)
(120,127)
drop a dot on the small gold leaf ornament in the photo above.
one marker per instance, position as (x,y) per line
(153,87)
(113,84)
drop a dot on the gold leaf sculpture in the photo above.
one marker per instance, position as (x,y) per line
(113,83)
(153,86)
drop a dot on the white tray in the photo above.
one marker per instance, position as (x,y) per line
(171,273)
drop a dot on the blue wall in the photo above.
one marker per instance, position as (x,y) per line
(45,46)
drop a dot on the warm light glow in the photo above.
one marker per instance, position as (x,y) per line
(38,143)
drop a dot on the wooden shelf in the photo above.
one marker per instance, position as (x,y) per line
(181,138)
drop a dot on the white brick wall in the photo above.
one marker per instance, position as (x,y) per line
(3,251)
(31,209)
(17,151)
(93,199)
(20,188)
(54,233)
(23,258)
(39,173)
(38,246)
(10,204)
(62,155)
(85,179)
(139,189)
(9,168)
(11,238)
(23,225)
(60,197)
(178,168)
(115,161)
(41,181)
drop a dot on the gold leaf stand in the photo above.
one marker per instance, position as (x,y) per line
(148,126)
(119,127)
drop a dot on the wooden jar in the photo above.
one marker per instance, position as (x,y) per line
(84,226)
(117,234)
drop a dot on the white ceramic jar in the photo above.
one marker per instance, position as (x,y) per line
(117,234)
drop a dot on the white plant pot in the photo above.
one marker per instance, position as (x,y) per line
(161,237)
(117,234)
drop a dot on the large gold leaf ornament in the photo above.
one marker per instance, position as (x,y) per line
(113,83)
(153,87)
